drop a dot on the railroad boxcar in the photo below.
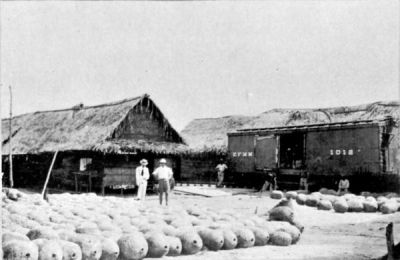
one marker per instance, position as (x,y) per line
(366,152)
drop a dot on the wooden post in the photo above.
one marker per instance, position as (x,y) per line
(398,120)
(390,241)
(10,144)
(1,203)
(76,182)
(90,181)
(48,174)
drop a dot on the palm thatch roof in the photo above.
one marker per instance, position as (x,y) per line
(210,134)
(289,117)
(81,128)
(118,145)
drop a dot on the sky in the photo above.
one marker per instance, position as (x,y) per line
(199,59)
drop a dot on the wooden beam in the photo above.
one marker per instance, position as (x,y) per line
(1,201)
(48,175)
(390,241)
(10,144)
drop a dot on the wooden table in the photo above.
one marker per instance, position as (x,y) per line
(118,176)
(89,174)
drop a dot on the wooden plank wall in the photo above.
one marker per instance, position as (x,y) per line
(394,151)
(146,122)
(198,170)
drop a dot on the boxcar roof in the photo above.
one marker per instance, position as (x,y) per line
(211,133)
(312,127)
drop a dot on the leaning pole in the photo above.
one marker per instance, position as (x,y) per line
(48,175)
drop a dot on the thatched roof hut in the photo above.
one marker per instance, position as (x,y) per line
(101,128)
(210,134)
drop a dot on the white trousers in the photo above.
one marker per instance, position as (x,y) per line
(142,190)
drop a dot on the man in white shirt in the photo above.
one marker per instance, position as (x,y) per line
(142,175)
(163,174)
(221,167)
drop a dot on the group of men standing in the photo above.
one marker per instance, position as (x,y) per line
(163,174)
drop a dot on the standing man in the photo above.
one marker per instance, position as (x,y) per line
(303,180)
(142,175)
(163,174)
(221,167)
(344,185)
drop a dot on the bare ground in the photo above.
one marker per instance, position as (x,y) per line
(327,235)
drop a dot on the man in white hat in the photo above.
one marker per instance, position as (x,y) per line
(163,174)
(142,175)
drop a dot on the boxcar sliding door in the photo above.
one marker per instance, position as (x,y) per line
(266,152)
(241,153)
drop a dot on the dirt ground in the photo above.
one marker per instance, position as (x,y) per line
(327,235)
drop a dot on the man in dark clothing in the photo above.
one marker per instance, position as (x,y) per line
(270,181)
